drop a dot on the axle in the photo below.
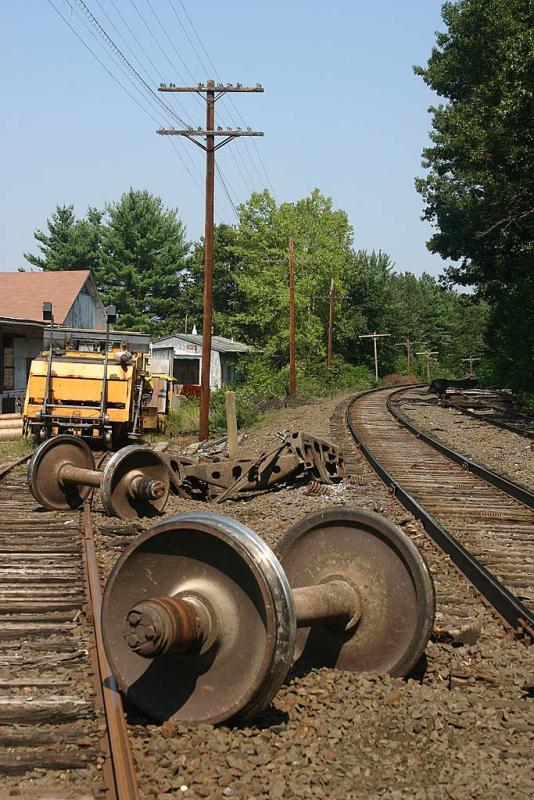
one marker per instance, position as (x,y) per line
(177,624)
(139,487)
(335,602)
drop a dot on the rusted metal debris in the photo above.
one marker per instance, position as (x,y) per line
(298,454)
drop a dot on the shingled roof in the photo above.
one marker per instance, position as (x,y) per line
(22,293)
(220,343)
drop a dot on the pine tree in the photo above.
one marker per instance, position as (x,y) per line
(69,243)
(143,260)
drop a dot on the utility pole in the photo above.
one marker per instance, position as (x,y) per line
(330,325)
(408,344)
(374,336)
(471,359)
(212,93)
(427,354)
(292,374)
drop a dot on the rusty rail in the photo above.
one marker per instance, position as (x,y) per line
(514,613)
(122,780)
(5,469)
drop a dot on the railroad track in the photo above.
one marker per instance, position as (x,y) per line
(62,728)
(514,421)
(488,534)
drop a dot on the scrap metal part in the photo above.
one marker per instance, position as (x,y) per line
(299,453)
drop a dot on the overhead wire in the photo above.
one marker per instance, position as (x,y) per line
(236,155)
(116,50)
(118,63)
(132,74)
(151,7)
(156,41)
(229,98)
(227,191)
(154,81)
(122,86)
(153,36)
(110,73)
(190,74)
(119,34)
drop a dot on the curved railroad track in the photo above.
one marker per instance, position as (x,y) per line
(513,421)
(60,714)
(486,531)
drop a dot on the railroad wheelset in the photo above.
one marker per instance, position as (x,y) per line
(134,482)
(202,621)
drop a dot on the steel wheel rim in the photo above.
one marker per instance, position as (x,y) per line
(381,562)
(260,674)
(113,488)
(43,469)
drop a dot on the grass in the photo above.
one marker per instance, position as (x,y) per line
(15,448)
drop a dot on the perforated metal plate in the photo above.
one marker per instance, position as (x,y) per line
(390,575)
(248,653)
(44,468)
(116,477)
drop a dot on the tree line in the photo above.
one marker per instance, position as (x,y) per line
(478,191)
(143,264)
(479,186)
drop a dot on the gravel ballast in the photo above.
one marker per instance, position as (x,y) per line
(502,451)
(461,727)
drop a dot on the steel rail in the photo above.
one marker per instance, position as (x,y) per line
(6,468)
(515,490)
(123,777)
(514,613)
(507,426)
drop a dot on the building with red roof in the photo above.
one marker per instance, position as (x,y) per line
(75,302)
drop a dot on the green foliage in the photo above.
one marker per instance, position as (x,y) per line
(144,268)
(144,250)
(526,401)
(227,297)
(479,189)
(69,243)
(16,448)
(136,252)
(323,241)
(183,419)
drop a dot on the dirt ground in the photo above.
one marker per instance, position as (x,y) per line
(461,727)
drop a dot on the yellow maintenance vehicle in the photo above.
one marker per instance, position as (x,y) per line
(90,383)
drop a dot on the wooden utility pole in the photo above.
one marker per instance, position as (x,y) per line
(292,374)
(374,336)
(212,93)
(330,325)
(427,354)
(471,360)
(408,344)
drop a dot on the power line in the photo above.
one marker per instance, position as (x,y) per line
(93,20)
(149,29)
(219,173)
(119,34)
(149,4)
(212,65)
(139,44)
(110,73)
(124,88)
(154,37)
(133,75)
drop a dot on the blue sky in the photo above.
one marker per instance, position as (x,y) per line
(342,110)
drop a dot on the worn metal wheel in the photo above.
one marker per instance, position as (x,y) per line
(44,468)
(115,488)
(385,568)
(242,663)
